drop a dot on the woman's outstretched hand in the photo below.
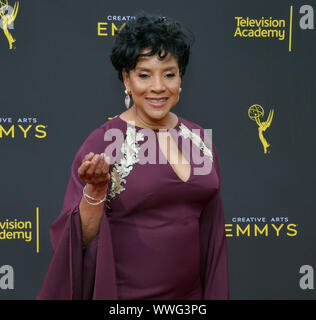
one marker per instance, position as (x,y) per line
(94,170)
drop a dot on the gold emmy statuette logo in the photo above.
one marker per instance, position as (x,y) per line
(255,112)
(7,17)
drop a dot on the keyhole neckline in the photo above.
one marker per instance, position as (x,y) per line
(177,177)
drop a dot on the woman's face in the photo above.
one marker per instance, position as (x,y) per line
(154,85)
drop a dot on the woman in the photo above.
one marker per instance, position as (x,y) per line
(131,229)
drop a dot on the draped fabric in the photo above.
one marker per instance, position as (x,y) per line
(160,237)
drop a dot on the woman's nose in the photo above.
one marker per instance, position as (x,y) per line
(158,84)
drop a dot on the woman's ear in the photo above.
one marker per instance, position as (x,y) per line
(125,77)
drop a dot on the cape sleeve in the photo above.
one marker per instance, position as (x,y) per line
(214,266)
(72,271)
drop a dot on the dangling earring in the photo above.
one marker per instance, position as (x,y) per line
(180,89)
(127,99)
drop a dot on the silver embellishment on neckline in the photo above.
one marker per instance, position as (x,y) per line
(130,148)
(196,139)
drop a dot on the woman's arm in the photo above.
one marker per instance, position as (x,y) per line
(90,215)
(94,170)
(72,271)
(214,256)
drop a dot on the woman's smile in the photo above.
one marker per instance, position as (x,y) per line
(157,102)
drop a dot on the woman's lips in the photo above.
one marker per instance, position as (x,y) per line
(157,102)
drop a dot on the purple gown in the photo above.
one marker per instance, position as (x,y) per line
(160,237)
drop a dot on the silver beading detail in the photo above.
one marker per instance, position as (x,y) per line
(122,169)
(196,139)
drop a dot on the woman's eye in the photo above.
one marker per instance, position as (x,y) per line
(143,75)
(170,75)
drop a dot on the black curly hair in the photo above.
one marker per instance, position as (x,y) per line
(160,34)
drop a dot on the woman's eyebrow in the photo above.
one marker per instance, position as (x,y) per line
(146,69)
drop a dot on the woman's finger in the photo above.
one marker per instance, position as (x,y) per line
(85,164)
(97,172)
(83,168)
(103,164)
(107,162)
(87,157)
(93,165)
(99,167)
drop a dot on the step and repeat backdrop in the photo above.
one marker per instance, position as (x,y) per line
(251,79)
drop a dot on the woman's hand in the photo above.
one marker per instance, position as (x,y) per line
(94,171)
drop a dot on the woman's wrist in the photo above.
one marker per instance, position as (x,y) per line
(97,191)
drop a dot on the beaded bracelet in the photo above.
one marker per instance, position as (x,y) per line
(86,196)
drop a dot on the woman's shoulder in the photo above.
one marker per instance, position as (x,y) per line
(111,122)
(189,123)
(194,127)
(95,141)
(197,130)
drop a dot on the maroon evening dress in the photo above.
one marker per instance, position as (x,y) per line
(160,237)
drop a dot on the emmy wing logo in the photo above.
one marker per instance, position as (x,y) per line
(255,112)
(7,17)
